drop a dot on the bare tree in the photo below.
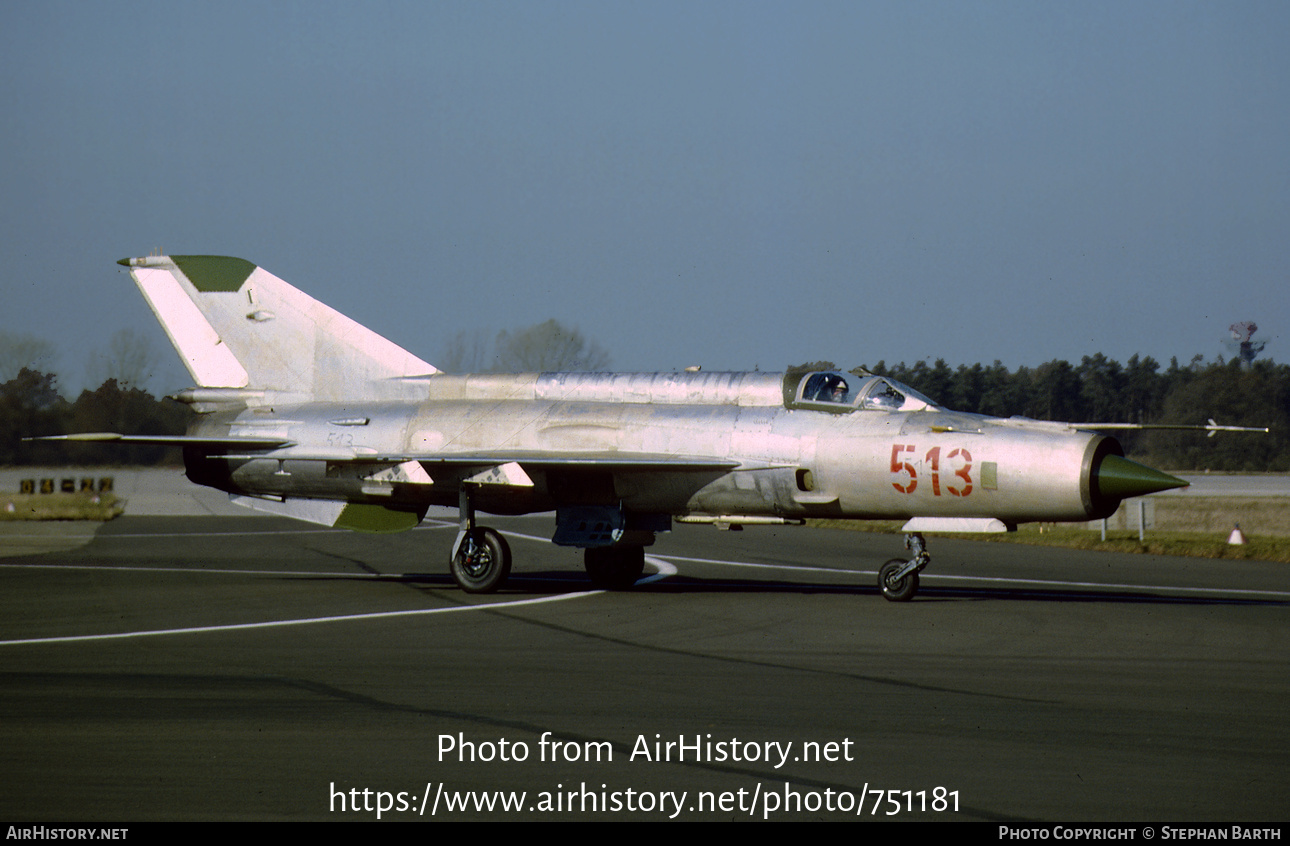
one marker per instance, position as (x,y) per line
(548,346)
(129,359)
(21,350)
(467,352)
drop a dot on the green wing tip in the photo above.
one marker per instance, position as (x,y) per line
(125,262)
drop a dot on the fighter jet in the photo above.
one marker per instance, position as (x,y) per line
(304,413)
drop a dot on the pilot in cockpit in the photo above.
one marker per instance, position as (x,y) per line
(834,389)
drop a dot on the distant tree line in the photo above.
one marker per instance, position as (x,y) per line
(30,405)
(1097,390)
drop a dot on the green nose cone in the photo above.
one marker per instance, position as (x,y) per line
(1120,478)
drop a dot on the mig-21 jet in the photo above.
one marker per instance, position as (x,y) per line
(304,413)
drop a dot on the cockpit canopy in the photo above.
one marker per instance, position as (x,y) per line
(830,390)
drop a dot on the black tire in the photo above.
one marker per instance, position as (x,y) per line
(615,567)
(482,563)
(901,591)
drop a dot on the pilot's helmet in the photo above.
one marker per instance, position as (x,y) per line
(838,391)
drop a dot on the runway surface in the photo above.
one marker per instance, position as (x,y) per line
(247,668)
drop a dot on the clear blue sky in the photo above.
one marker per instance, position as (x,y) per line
(726,184)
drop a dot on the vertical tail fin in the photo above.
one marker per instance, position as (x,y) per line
(236,325)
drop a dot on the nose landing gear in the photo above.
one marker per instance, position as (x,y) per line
(898,578)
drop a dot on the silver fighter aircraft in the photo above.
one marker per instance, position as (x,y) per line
(304,413)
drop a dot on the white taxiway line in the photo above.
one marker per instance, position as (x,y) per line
(379,615)
(1110,585)
(664,571)
(1048,583)
(752,566)
(197,571)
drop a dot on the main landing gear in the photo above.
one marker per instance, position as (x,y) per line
(898,578)
(481,558)
(482,561)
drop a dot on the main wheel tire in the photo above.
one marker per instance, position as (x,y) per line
(902,590)
(482,562)
(615,567)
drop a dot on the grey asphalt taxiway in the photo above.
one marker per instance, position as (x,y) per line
(214,668)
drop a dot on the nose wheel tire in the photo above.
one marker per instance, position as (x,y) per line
(482,562)
(899,590)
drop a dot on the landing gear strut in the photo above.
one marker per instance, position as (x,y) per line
(898,578)
(481,558)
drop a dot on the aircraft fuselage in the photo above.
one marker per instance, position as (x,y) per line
(783,462)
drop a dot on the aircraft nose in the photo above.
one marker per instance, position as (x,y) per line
(1119,478)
